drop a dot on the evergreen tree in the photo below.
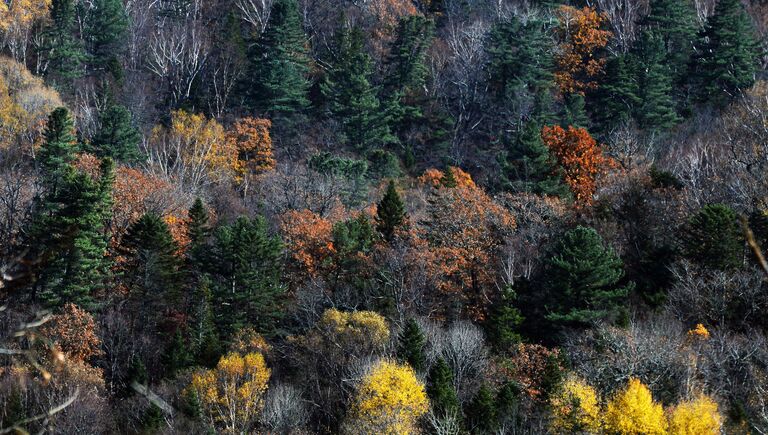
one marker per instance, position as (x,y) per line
(727,59)
(390,212)
(63,50)
(152,269)
(247,267)
(674,21)
(574,111)
(528,166)
(106,35)
(581,280)
(198,231)
(177,355)
(503,322)
(615,100)
(713,238)
(656,110)
(482,412)
(277,84)
(449,179)
(351,96)
(411,344)
(442,394)
(204,338)
(117,138)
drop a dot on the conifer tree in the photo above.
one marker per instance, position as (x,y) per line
(204,338)
(390,212)
(656,110)
(727,58)
(177,354)
(442,394)
(276,83)
(116,138)
(62,48)
(352,98)
(713,237)
(411,344)
(106,35)
(674,21)
(616,98)
(449,179)
(582,278)
(503,321)
(247,269)
(482,412)
(198,231)
(528,166)
(574,111)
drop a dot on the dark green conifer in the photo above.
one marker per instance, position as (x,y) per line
(615,100)
(440,389)
(61,47)
(117,137)
(674,21)
(503,321)
(106,35)
(482,412)
(656,110)
(410,348)
(713,237)
(390,213)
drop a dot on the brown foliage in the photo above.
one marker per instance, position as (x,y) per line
(581,37)
(254,144)
(73,330)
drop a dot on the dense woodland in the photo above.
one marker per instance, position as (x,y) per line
(383,216)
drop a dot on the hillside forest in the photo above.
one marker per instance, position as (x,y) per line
(384,217)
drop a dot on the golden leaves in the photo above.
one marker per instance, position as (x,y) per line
(633,411)
(581,37)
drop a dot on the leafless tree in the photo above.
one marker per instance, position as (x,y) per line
(624,17)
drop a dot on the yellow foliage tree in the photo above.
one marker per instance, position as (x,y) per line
(575,408)
(697,417)
(389,400)
(354,330)
(633,412)
(232,394)
(17,19)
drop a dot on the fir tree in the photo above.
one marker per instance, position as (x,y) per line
(482,412)
(615,100)
(503,322)
(247,268)
(106,35)
(528,166)
(390,213)
(656,110)
(442,394)
(117,138)
(351,96)
(727,59)
(411,344)
(582,279)
(63,50)
(59,149)
(713,238)
(277,84)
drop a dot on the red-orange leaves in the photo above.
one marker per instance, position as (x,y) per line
(580,157)
(309,238)
(581,39)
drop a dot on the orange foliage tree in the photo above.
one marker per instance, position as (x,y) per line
(581,37)
(309,238)
(73,331)
(580,157)
(254,144)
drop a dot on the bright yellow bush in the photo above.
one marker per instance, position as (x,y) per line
(232,394)
(355,327)
(575,408)
(633,412)
(389,400)
(696,417)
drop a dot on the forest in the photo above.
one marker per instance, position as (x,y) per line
(384,217)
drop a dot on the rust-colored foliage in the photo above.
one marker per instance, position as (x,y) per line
(581,38)
(135,193)
(436,178)
(530,365)
(254,145)
(178,226)
(73,331)
(309,239)
(580,157)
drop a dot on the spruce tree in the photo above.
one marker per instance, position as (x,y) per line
(276,83)
(107,35)
(482,412)
(442,394)
(728,56)
(116,138)
(674,21)
(582,276)
(62,48)
(527,166)
(656,110)
(615,100)
(503,321)
(713,238)
(247,265)
(410,348)
(390,213)
(351,97)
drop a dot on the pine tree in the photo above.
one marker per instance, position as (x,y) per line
(277,84)
(106,35)
(116,138)
(615,100)
(656,110)
(442,394)
(482,412)
(714,238)
(528,166)
(247,264)
(674,21)
(390,213)
(411,344)
(352,98)
(582,278)
(63,50)
(727,59)
(503,321)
